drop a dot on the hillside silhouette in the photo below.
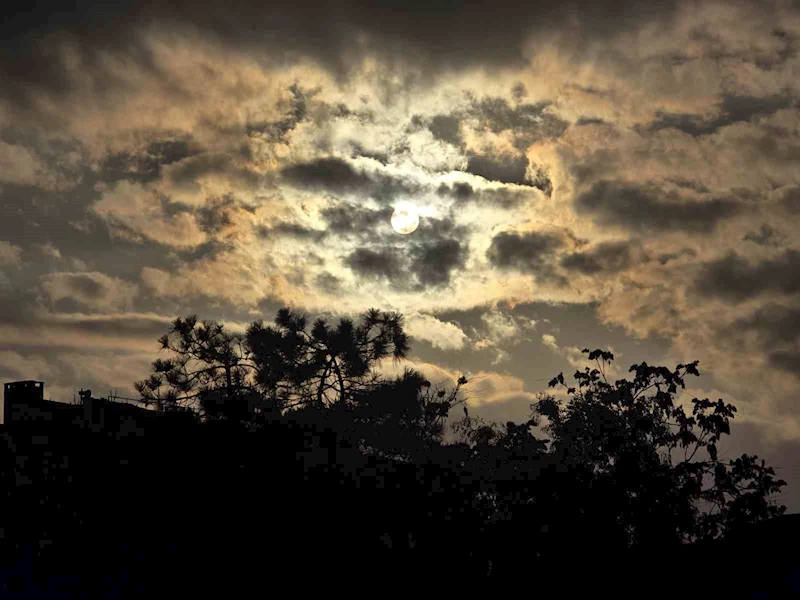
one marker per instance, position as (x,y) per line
(280,457)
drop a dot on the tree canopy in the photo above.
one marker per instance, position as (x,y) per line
(620,463)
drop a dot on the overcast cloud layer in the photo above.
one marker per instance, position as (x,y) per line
(604,174)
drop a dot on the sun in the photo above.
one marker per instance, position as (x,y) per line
(405,219)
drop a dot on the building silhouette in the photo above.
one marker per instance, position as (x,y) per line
(25,407)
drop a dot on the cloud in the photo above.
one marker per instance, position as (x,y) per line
(337,176)
(790,198)
(732,109)
(605,257)
(483,388)
(19,165)
(344,218)
(504,169)
(295,230)
(433,263)
(667,257)
(498,329)
(531,252)
(228,275)
(643,209)
(92,290)
(446,128)
(429,263)
(490,197)
(765,236)
(786,361)
(440,334)
(143,164)
(733,279)
(500,326)
(10,254)
(579,360)
(376,264)
(138,212)
(296,112)
(528,123)
(330,174)
(775,324)
(335,37)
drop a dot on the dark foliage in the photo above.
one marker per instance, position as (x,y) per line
(303,463)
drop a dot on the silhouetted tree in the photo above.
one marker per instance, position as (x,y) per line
(611,473)
(402,417)
(209,369)
(270,368)
(328,364)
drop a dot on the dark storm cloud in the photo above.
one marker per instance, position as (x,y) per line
(531,252)
(766,236)
(519,91)
(694,125)
(296,113)
(688,184)
(359,150)
(426,259)
(337,176)
(589,121)
(145,166)
(379,263)
(435,35)
(447,129)
(208,250)
(733,109)
(463,192)
(788,361)
(735,279)
(187,171)
(540,179)
(85,285)
(294,230)
(528,122)
(647,209)
(665,258)
(328,282)
(606,257)
(775,324)
(743,108)
(330,174)
(502,169)
(351,218)
(497,115)
(433,263)
(787,50)
(790,199)
(432,229)
(215,214)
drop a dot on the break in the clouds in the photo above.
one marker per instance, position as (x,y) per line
(631,161)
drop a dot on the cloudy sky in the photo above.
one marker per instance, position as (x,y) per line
(608,174)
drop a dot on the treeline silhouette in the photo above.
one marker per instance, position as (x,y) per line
(301,466)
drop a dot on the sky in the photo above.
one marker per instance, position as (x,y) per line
(609,174)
